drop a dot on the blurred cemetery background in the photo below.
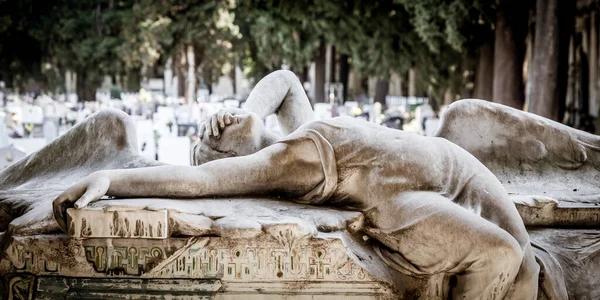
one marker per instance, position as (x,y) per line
(171,63)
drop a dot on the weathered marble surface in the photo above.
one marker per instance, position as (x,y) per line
(234,218)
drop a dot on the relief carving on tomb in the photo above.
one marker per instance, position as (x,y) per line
(264,258)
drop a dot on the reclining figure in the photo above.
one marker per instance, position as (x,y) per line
(430,205)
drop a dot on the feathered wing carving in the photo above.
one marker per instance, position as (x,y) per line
(105,140)
(531,155)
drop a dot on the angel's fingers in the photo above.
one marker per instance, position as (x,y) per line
(202,129)
(93,193)
(59,211)
(228,119)
(220,119)
(214,125)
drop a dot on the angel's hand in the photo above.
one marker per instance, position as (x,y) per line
(222,118)
(89,189)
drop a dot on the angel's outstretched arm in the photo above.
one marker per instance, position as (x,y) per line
(286,169)
(281,93)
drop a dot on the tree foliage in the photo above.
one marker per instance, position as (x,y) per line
(107,37)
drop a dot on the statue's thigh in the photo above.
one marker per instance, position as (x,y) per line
(435,234)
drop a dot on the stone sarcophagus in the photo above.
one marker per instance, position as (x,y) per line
(268,252)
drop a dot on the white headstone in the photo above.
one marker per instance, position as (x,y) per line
(422,113)
(165,122)
(203,95)
(49,110)
(183,114)
(431,126)
(30,145)
(50,130)
(3,131)
(10,155)
(145,138)
(323,111)
(165,114)
(32,114)
(231,103)
(174,150)
(209,109)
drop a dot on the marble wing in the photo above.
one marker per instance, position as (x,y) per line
(530,155)
(106,140)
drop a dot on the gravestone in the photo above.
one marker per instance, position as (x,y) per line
(32,114)
(10,155)
(323,111)
(431,126)
(422,114)
(231,103)
(50,130)
(174,150)
(146,142)
(30,145)
(32,118)
(165,121)
(3,131)
(208,109)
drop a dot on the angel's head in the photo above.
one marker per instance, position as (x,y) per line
(243,134)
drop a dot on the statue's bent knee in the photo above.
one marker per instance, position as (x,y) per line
(504,254)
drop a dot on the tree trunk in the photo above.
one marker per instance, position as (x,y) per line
(304,75)
(566,21)
(179,73)
(381,90)
(209,81)
(332,73)
(134,78)
(448,97)
(80,85)
(548,81)
(320,61)
(344,74)
(484,72)
(85,90)
(509,52)
(412,83)
(191,76)
(233,76)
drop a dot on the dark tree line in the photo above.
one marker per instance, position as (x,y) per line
(455,48)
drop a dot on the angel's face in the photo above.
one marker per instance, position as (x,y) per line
(241,137)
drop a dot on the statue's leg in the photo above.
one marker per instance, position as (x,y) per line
(424,233)
(493,204)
